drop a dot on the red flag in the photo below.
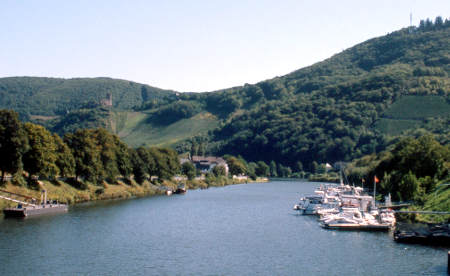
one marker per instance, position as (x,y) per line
(376,179)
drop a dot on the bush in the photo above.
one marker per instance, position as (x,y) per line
(18,180)
(175,112)
(80,185)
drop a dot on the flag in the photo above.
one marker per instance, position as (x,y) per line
(376,179)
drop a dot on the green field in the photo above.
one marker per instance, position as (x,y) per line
(418,107)
(394,126)
(410,111)
(138,132)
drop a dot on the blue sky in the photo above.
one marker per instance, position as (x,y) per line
(190,45)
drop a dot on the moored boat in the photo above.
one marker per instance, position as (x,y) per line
(27,209)
(357,226)
(180,190)
(309,205)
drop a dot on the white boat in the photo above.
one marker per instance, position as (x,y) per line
(387,217)
(328,211)
(353,219)
(309,205)
(348,213)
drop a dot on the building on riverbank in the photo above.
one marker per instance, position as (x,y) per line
(206,164)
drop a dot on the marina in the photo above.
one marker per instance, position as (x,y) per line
(344,207)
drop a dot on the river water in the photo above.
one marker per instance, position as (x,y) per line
(247,229)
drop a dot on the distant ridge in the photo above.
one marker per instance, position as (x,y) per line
(56,96)
(354,103)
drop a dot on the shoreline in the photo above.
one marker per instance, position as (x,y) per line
(68,194)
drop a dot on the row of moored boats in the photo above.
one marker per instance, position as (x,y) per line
(346,207)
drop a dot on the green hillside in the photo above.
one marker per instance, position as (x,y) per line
(338,109)
(140,133)
(352,104)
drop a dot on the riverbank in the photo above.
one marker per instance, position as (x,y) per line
(85,191)
(66,193)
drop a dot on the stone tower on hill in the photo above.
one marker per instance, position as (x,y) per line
(107,101)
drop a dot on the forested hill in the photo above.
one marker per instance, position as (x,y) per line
(54,96)
(354,103)
(349,105)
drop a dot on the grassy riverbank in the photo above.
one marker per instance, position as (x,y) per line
(439,201)
(332,177)
(66,193)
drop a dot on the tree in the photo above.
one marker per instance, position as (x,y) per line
(219,171)
(148,162)
(298,166)
(13,142)
(201,149)
(409,187)
(107,147)
(139,168)
(284,171)
(124,164)
(251,168)
(314,167)
(273,169)
(411,169)
(42,155)
(423,156)
(262,169)
(194,148)
(65,160)
(321,168)
(166,162)
(235,165)
(422,24)
(280,170)
(438,22)
(86,152)
(188,169)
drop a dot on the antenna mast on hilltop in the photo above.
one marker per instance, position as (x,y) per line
(410,23)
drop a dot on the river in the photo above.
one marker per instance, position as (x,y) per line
(247,229)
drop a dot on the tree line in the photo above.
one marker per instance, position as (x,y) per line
(93,155)
(409,171)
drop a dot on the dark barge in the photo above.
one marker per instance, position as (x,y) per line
(433,234)
(26,211)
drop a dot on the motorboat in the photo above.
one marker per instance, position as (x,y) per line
(309,205)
